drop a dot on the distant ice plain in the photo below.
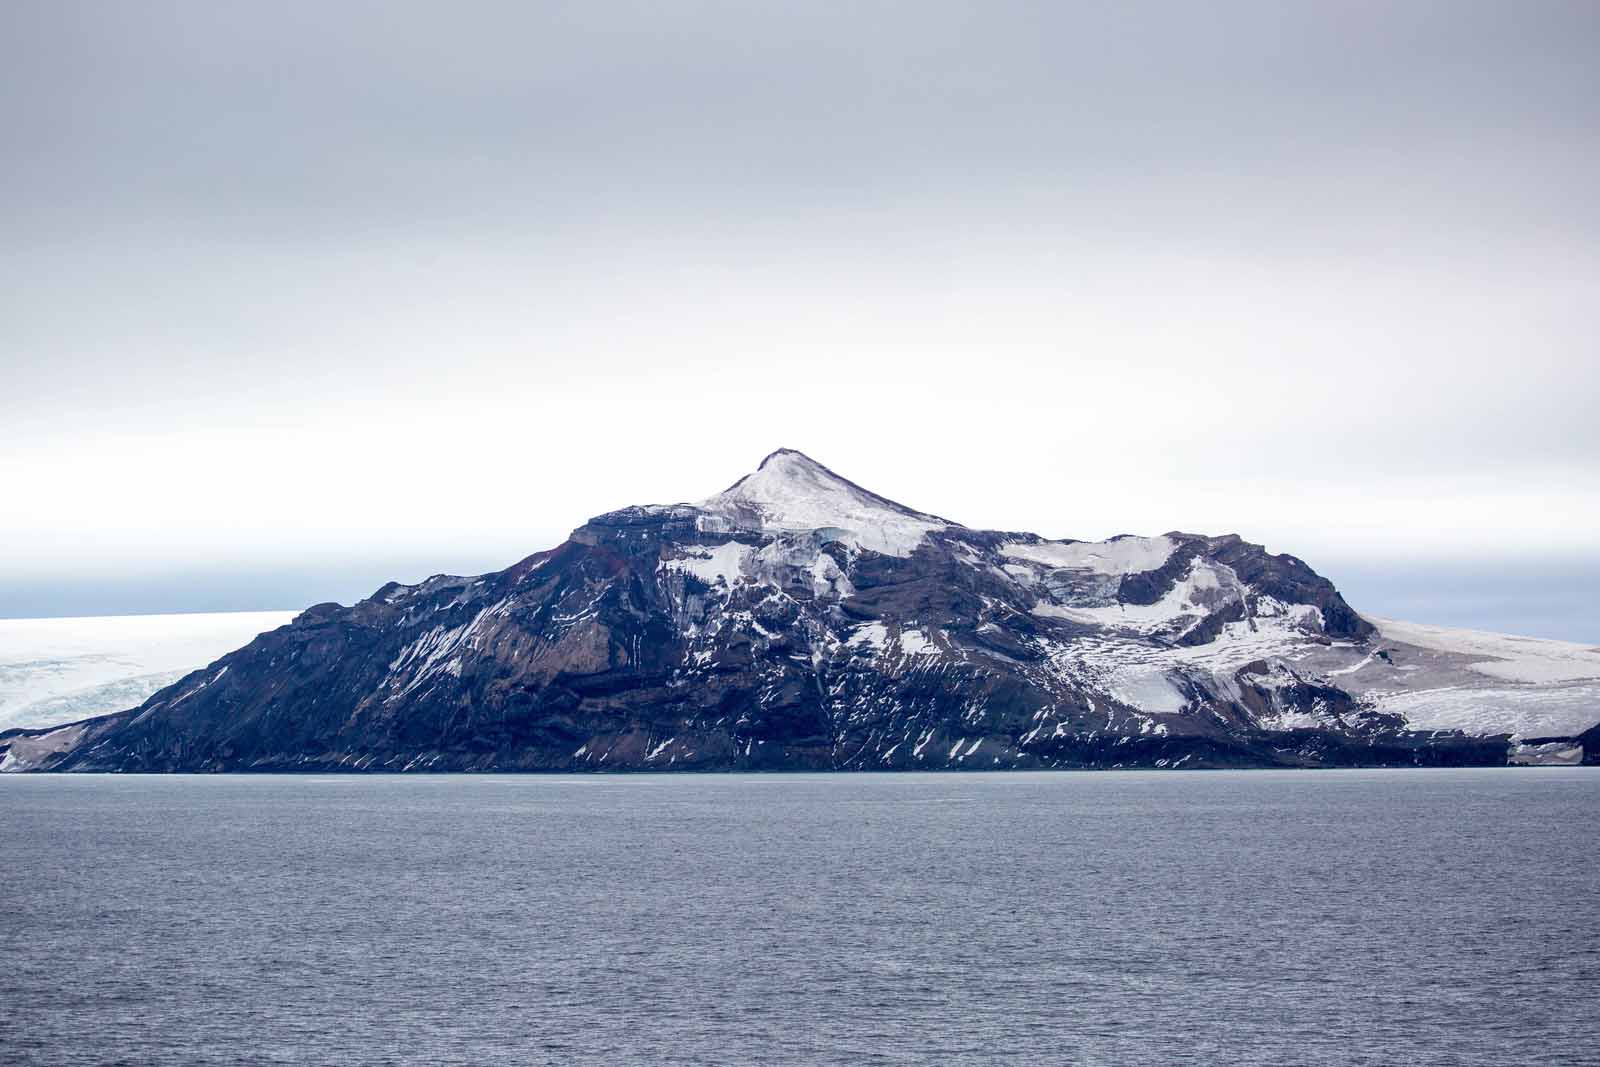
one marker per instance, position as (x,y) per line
(60,670)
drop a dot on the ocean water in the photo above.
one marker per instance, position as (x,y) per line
(1282,918)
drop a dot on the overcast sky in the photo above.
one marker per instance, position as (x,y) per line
(297,297)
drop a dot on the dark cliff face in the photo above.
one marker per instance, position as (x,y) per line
(793,622)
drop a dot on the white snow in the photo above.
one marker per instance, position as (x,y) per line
(792,492)
(1522,711)
(1439,679)
(873,634)
(722,563)
(827,579)
(1553,754)
(1477,682)
(58,670)
(429,655)
(24,752)
(1292,720)
(1204,587)
(1508,658)
(1364,661)
(916,643)
(1022,574)
(1146,689)
(1120,555)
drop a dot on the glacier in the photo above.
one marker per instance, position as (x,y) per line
(58,670)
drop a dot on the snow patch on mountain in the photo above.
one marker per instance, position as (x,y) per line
(792,492)
(870,635)
(1203,589)
(1147,689)
(722,563)
(916,643)
(26,752)
(1120,555)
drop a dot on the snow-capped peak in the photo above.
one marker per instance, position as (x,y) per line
(792,491)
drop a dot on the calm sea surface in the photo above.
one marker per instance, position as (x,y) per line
(1335,917)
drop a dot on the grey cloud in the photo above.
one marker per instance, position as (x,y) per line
(252,118)
(1336,244)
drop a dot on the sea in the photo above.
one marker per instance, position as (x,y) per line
(1387,917)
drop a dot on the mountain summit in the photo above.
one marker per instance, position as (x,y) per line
(790,491)
(796,621)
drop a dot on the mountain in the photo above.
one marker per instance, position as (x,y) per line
(797,621)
